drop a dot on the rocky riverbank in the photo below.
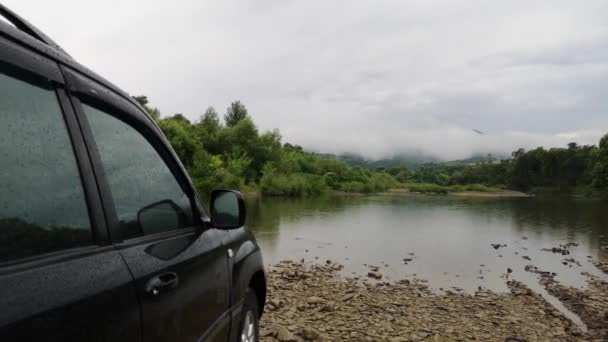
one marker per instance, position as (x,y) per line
(310,302)
(591,304)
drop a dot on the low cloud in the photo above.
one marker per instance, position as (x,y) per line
(376,78)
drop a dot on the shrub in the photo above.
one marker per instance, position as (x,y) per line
(296,184)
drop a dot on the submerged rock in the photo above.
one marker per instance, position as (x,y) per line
(375,275)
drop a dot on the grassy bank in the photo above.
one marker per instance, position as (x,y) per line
(306,185)
(429,188)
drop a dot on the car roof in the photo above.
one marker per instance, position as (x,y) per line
(26,34)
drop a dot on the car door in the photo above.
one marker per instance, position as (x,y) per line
(60,279)
(179,266)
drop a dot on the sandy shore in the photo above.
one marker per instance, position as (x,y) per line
(499,193)
(346,194)
(310,302)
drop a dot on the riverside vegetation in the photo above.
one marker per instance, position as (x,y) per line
(235,154)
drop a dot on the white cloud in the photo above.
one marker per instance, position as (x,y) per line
(377,77)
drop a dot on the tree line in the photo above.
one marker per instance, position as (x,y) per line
(231,152)
(575,168)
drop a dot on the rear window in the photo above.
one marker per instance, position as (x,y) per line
(42,203)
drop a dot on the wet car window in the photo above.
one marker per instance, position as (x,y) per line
(147,197)
(42,204)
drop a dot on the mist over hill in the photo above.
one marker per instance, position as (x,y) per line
(410,160)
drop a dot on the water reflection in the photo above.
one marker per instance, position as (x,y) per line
(449,237)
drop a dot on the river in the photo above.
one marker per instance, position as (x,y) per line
(448,238)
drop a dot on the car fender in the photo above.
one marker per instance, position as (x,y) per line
(246,262)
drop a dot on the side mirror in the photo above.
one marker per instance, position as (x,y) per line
(227,209)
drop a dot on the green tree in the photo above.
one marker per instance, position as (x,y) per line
(208,131)
(235,113)
(600,171)
(210,120)
(143,101)
(604,143)
(184,142)
(239,155)
(181,118)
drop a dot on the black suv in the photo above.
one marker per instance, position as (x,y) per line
(102,235)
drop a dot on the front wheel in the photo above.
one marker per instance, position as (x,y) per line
(250,323)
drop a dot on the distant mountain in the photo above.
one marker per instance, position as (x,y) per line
(407,160)
(477,159)
(411,161)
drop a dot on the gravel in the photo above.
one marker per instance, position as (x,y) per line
(310,302)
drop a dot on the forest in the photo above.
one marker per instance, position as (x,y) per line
(231,152)
(575,169)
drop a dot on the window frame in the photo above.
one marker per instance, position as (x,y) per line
(85,90)
(4,21)
(20,63)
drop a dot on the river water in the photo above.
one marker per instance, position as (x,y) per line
(449,238)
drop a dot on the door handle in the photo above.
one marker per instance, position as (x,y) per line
(162,284)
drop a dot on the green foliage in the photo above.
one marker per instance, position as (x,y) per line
(235,113)
(604,142)
(478,187)
(568,169)
(426,188)
(184,142)
(600,168)
(237,155)
(562,168)
(294,184)
(401,174)
(143,101)
(210,121)
(493,174)
(381,181)
(440,189)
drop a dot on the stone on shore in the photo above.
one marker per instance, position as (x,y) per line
(316,304)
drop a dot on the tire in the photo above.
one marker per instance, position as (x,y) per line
(249,330)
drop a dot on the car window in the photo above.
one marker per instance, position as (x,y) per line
(42,203)
(147,197)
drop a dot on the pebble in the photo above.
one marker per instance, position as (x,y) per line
(317,304)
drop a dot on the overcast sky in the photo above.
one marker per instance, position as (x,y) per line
(370,77)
